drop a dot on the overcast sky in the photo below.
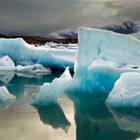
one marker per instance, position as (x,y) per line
(40,17)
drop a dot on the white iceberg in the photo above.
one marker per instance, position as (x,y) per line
(126,91)
(49,92)
(36,68)
(6,64)
(24,54)
(5,95)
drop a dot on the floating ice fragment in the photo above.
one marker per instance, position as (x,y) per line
(49,92)
(36,68)
(126,91)
(6,64)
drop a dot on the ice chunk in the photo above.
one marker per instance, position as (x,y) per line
(102,56)
(36,68)
(49,92)
(126,91)
(5,95)
(6,63)
(99,44)
(22,53)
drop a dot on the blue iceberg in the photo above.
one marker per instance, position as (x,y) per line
(24,54)
(102,57)
(126,91)
(49,93)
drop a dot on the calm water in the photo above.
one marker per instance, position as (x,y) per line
(77,116)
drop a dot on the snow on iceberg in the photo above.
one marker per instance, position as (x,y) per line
(5,95)
(24,54)
(126,91)
(49,92)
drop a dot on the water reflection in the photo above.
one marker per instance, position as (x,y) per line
(6,77)
(128,119)
(53,115)
(18,86)
(93,120)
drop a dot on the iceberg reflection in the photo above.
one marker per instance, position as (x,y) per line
(94,121)
(53,115)
(128,119)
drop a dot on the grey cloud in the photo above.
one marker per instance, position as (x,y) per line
(127,9)
(43,16)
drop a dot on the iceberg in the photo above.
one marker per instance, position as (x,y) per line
(102,57)
(5,95)
(126,91)
(24,54)
(49,92)
(36,68)
(6,64)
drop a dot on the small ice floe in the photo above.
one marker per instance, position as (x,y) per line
(126,91)
(6,64)
(36,69)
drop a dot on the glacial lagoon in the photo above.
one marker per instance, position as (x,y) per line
(76,116)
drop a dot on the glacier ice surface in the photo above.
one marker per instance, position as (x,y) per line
(49,92)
